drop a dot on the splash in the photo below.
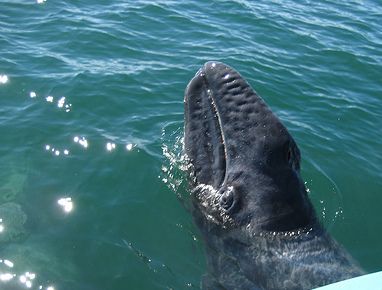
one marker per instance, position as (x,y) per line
(325,195)
(176,166)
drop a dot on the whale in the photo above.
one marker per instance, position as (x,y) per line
(248,199)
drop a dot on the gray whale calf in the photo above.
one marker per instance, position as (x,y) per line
(248,198)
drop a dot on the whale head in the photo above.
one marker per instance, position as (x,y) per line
(245,165)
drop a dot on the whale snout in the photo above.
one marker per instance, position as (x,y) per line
(227,125)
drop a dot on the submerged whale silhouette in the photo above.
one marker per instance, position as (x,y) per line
(248,198)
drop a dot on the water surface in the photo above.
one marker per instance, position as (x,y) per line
(91,102)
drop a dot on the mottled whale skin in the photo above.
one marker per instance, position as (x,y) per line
(249,201)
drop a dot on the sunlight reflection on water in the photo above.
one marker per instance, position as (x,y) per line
(27,279)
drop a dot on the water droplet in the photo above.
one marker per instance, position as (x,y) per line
(8,263)
(3,79)
(6,277)
(110,146)
(129,146)
(61,102)
(66,203)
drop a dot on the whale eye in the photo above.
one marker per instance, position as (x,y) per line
(229,200)
(226,201)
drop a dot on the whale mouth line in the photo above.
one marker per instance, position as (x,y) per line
(220,129)
(208,149)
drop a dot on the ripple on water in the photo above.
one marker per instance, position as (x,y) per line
(12,223)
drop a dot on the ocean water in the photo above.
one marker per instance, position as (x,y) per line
(91,118)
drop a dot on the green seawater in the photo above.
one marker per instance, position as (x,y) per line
(91,114)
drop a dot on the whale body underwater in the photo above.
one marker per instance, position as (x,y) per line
(249,201)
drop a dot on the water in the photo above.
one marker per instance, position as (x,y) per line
(85,195)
